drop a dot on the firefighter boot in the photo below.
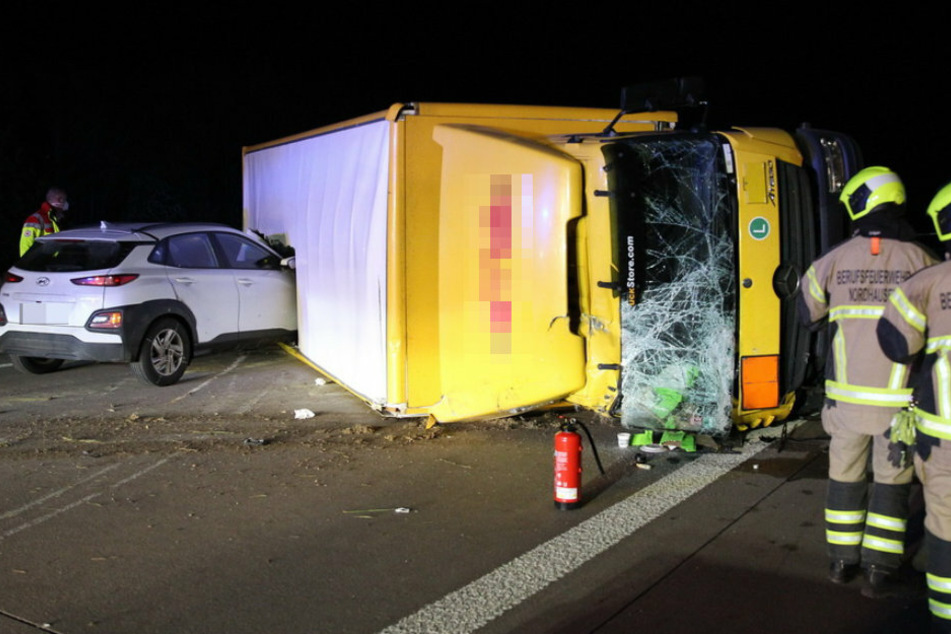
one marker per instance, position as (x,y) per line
(845,521)
(886,583)
(842,572)
(940,626)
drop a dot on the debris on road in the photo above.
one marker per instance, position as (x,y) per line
(367,513)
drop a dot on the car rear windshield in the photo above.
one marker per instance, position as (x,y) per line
(51,256)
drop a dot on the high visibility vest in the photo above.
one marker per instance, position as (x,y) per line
(36,225)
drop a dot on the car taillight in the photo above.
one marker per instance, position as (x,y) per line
(109,320)
(104,280)
(11,278)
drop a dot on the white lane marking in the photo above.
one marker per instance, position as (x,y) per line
(483,600)
(56,493)
(43,518)
(71,505)
(139,473)
(231,367)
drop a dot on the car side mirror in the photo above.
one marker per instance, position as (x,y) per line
(289,263)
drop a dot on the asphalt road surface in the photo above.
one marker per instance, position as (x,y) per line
(255,497)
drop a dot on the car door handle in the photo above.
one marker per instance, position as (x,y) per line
(185,280)
(245,281)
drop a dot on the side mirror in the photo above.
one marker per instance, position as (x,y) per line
(289,263)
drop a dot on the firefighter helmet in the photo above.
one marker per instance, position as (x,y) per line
(940,212)
(869,188)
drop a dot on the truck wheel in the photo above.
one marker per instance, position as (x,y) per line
(35,365)
(164,354)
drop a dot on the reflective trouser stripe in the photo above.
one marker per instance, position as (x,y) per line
(887,523)
(845,512)
(894,527)
(844,517)
(844,539)
(880,544)
(940,610)
(939,584)
(939,575)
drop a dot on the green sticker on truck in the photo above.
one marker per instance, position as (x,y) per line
(759,228)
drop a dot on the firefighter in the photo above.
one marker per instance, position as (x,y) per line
(45,220)
(916,326)
(847,288)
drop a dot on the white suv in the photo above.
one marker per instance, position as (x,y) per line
(150,295)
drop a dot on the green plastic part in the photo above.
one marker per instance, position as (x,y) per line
(646,437)
(685,441)
(667,401)
(671,436)
(689,444)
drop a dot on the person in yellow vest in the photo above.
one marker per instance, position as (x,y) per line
(916,326)
(848,288)
(45,220)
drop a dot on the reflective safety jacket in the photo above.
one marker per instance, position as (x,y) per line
(36,225)
(850,286)
(918,318)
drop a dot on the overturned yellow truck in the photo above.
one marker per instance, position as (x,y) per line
(463,261)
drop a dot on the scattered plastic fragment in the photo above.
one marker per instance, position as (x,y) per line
(645,437)
(320,381)
(644,466)
(83,440)
(366,512)
(679,440)
(303,413)
(256,442)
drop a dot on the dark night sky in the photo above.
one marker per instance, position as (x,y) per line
(144,116)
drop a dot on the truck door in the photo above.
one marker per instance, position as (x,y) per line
(504,337)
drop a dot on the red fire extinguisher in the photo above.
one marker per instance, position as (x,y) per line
(567,467)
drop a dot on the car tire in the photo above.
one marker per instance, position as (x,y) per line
(164,354)
(35,365)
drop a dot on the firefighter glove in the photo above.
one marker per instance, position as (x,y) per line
(902,437)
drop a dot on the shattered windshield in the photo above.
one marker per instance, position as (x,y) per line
(673,212)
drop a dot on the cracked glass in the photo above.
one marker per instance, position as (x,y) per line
(674,211)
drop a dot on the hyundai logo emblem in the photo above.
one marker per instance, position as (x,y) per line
(42,281)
